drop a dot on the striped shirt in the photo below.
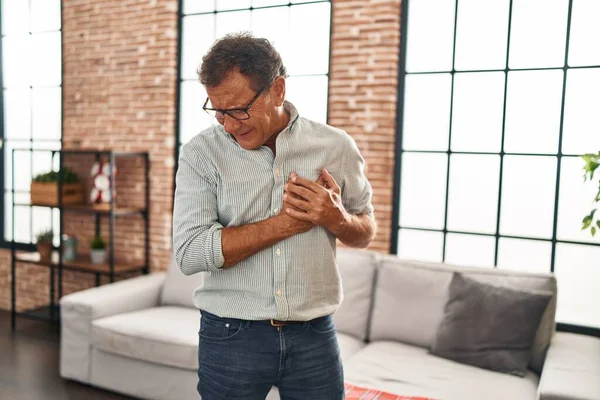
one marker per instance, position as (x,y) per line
(219,184)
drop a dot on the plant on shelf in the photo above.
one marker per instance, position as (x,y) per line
(68,176)
(98,250)
(44,188)
(592,162)
(44,244)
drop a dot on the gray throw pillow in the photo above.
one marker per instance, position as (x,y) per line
(489,326)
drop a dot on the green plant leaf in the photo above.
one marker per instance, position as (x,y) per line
(588,219)
(593,231)
(598,223)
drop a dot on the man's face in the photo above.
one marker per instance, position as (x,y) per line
(235,92)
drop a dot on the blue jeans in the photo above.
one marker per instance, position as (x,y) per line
(241,359)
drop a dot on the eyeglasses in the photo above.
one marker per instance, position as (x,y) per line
(239,114)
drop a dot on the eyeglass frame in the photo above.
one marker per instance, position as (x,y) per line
(226,111)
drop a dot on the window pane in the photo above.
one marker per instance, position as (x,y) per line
(232,22)
(544,44)
(470,250)
(420,245)
(46,47)
(15,16)
(533,111)
(423,190)
(47,113)
(193,119)
(265,3)
(41,220)
(473,193)
(16,61)
(198,33)
(481,34)
(22,224)
(528,190)
(198,6)
(585,31)
(430,35)
(310,54)
(581,127)
(17,114)
(274,25)
(578,277)
(426,112)
(22,163)
(477,112)
(45,15)
(524,255)
(309,96)
(42,162)
(575,201)
(232,4)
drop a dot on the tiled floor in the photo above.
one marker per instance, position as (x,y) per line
(29,360)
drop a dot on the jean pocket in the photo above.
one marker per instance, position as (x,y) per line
(219,329)
(322,325)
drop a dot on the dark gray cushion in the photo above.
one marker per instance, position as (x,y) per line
(489,326)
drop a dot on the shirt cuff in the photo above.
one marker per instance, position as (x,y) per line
(217,248)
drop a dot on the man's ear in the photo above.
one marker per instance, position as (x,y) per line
(278,90)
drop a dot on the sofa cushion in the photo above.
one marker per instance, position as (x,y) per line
(178,289)
(489,326)
(357,271)
(349,345)
(411,371)
(162,335)
(410,297)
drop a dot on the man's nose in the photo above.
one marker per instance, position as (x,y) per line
(231,124)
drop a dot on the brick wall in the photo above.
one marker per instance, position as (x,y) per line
(362,93)
(119,90)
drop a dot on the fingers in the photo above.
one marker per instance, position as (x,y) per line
(320,181)
(299,191)
(298,214)
(296,202)
(310,185)
(330,181)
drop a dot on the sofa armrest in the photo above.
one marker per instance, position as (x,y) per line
(78,310)
(572,368)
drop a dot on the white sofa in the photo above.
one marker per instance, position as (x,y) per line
(140,336)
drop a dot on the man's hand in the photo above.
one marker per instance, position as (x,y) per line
(295,224)
(314,203)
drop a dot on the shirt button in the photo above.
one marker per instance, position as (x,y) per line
(277,172)
(275,211)
(278,292)
(278,252)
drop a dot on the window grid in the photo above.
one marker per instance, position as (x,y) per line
(181,80)
(5,154)
(559,155)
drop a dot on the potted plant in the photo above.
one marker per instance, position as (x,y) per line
(592,162)
(44,244)
(44,188)
(98,251)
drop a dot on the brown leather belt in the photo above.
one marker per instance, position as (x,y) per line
(276,322)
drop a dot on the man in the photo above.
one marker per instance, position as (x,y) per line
(260,200)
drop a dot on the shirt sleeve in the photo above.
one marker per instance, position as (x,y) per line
(356,189)
(196,230)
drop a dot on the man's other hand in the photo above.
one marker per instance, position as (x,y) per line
(296,224)
(311,202)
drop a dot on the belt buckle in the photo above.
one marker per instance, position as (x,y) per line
(277,323)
